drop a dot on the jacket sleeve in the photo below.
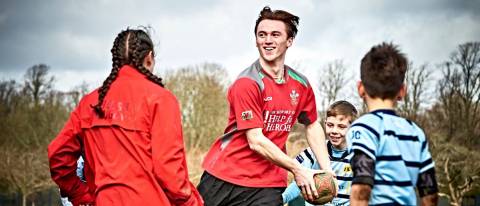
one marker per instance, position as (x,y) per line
(63,153)
(168,153)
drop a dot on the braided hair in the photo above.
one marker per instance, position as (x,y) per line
(130,47)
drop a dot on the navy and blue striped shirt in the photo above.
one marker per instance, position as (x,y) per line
(400,151)
(340,163)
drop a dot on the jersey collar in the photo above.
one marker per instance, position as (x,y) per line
(265,73)
(127,70)
(385,111)
(330,152)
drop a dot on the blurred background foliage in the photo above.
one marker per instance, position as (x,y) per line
(444,99)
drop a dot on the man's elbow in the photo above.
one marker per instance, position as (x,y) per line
(254,139)
(254,144)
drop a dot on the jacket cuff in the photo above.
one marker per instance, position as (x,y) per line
(86,199)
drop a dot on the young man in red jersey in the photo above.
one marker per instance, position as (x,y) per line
(248,164)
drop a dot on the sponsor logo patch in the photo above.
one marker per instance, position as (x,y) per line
(347,169)
(247,115)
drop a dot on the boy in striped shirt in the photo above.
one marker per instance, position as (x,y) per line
(390,159)
(339,117)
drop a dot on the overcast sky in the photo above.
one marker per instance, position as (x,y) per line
(74,37)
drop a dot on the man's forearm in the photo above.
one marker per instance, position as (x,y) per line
(263,146)
(316,140)
(360,195)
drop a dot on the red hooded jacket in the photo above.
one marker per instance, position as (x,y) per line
(133,156)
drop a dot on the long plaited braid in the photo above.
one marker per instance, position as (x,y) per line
(139,42)
(130,47)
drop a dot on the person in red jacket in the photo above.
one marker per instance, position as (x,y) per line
(131,134)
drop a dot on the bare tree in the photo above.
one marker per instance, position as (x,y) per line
(73,97)
(417,81)
(26,131)
(201,92)
(456,121)
(8,99)
(7,91)
(456,170)
(37,82)
(26,172)
(459,92)
(333,79)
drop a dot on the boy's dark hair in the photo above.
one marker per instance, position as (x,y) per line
(383,70)
(290,20)
(130,47)
(344,108)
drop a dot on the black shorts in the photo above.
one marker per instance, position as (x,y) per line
(216,192)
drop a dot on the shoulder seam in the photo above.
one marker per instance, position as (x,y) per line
(297,76)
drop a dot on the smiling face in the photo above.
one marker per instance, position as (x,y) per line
(336,127)
(272,40)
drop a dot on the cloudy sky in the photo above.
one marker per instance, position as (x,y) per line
(74,37)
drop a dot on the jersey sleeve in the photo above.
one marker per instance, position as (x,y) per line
(170,168)
(306,159)
(291,192)
(363,137)
(426,161)
(63,153)
(308,113)
(246,102)
(363,168)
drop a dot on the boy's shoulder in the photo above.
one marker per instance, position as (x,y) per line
(375,122)
(376,119)
(368,121)
(368,125)
(306,152)
(306,155)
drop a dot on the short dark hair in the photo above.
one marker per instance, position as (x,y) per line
(344,108)
(382,71)
(290,20)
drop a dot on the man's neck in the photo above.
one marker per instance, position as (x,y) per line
(274,68)
(379,103)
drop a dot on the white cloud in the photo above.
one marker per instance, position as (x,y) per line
(192,32)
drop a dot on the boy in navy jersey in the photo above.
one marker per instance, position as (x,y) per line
(390,154)
(339,117)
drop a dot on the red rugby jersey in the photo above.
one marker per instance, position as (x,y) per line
(257,101)
(133,156)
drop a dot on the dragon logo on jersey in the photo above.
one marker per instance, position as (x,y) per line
(294,97)
(247,115)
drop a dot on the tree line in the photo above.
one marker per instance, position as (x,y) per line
(446,106)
